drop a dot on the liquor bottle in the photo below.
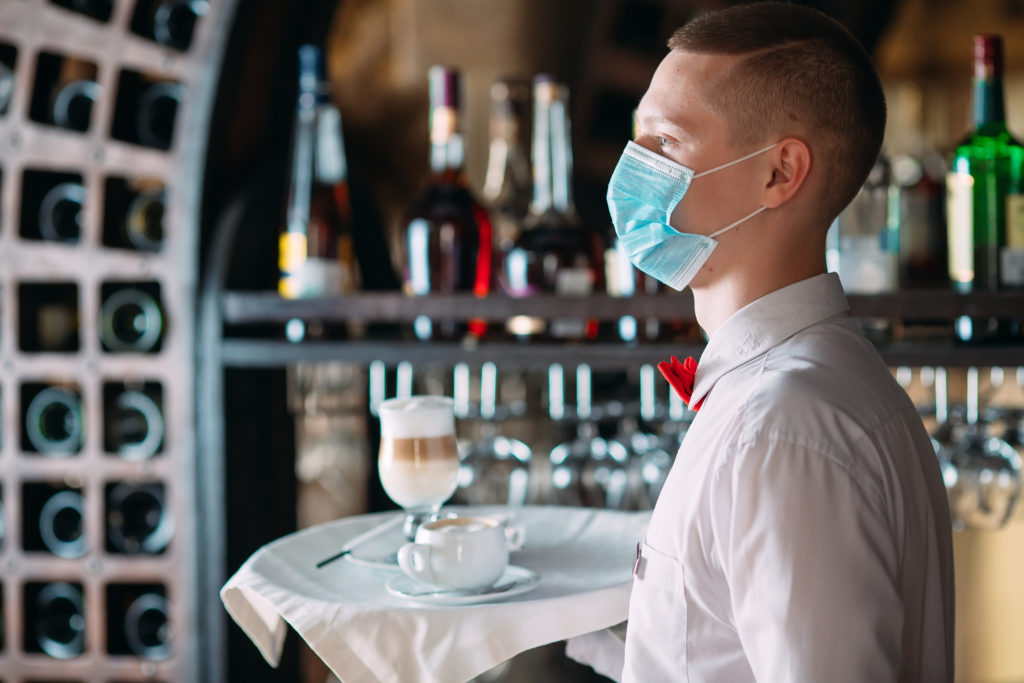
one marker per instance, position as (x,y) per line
(448,235)
(509,182)
(131,318)
(554,253)
(316,254)
(985,198)
(60,524)
(137,519)
(867,232)
(133,421)
(57,618)
(53,421)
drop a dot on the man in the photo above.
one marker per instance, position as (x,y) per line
(803,532)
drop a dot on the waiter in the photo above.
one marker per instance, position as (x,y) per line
(803,533)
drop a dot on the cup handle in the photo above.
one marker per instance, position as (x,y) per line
(516,537)
(414,560)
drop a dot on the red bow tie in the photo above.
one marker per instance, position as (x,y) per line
(680,376)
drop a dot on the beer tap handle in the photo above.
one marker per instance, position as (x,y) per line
(460,389)
(404,380)
(556,391)
(676,407)
(488,390)
(378,385)
(647,396)
(941,396)
(972,395)
(584,402)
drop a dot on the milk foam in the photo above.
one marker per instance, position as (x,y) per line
(417,416)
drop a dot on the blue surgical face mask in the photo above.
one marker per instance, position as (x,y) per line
(644,190)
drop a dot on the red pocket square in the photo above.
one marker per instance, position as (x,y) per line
(680,376)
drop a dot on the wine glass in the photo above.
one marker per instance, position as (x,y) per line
(418,462)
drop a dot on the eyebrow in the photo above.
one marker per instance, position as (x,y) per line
(669,122)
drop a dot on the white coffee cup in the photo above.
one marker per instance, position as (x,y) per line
(460,553)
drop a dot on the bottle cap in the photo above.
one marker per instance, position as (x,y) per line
(311,68)
(988,55)
(444,87)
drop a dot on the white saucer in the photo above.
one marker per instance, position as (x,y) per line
(515,581)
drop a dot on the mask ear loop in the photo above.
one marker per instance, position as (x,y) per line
(726,165)
(733,225)
(735,161)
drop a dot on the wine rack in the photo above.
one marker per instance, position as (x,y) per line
(104,111)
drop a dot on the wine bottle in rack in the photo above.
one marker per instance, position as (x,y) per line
(48,318)
(53,420)
(146,109)
(146,628)
(65,91)
(168,22)
(131,317)
(555,254)
(51,206)
(55,619)
(316,251)
(133,214)
(509,181)
(137,519)
(8,60)
(448,235)
(59,519)
(985,199)
(133,421)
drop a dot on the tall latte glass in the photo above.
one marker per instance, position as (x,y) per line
(418,461)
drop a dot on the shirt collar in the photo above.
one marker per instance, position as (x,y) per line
(765,323)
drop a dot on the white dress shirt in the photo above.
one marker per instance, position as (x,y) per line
(803,533)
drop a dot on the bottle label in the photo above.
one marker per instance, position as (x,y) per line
(303,277)
(1015,221)
(960,225)
(572,282)
(1011,267)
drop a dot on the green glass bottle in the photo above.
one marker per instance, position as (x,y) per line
(985,198)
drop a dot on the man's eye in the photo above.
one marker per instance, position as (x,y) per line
(663,141)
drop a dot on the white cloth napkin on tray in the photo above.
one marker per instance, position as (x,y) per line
(364,634)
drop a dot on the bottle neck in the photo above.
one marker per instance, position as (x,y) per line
(331,165)
(552,159)
(446,146)
(302,164)
(989,109)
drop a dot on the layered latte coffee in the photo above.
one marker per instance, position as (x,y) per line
(419,460)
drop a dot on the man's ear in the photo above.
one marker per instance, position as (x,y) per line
(791,163)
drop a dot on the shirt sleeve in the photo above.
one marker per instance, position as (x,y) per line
(811,565)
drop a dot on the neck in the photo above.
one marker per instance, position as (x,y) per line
(718,299)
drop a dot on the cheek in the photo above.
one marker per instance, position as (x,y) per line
(694,214)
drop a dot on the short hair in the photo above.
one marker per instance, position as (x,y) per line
(802,72)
